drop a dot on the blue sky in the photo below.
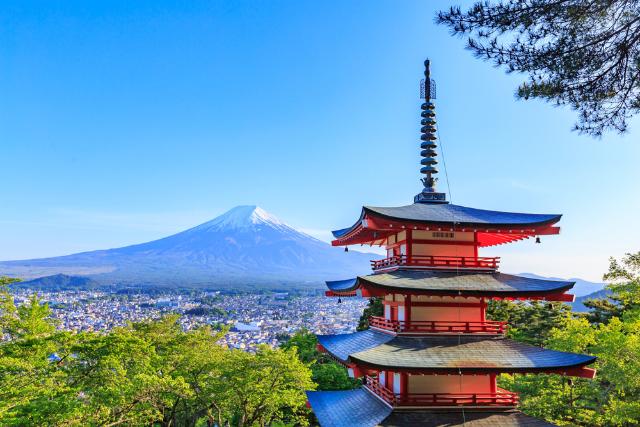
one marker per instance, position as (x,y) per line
(122,122)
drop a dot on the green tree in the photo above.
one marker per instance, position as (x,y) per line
(326,373)
(624,283)
(613,397)
(260,389)
(146,373)
(584,54)
(375,308)
(529,321)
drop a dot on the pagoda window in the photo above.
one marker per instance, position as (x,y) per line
(446,309)
(450,384)
(401,313)
(435,249)
(396,383)
(382,378)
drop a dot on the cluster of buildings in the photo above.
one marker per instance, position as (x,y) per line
(252,319)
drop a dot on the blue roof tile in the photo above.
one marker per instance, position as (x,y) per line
(342,345)
(447,353)
(439,213)
(351,408)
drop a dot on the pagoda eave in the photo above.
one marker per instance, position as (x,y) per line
(449,354)
(580,371)
(373,228)
(496,286)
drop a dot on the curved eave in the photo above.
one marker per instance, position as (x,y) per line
(535,220)
(374,225)
(363,283)
(442,283)
(451,354)
(342,288)
(569,369)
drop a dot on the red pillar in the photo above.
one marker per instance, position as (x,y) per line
(404,385)
(407,311)
(475,244)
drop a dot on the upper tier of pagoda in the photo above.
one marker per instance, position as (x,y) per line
(488,227)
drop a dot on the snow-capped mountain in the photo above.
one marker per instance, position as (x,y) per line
(244,246)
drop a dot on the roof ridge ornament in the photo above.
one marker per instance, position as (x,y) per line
(428,142)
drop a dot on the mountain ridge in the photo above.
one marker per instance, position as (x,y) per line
(245,245)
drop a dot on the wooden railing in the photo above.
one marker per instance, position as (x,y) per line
(378,389)
(472,263)
(438,326)
(501,398)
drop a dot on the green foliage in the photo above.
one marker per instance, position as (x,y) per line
(613,397)
(530,322)
(147,373)
(327,374)
(375,308)
(584,54)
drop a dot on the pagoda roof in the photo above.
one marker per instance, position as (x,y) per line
(350,408)
(510,418)
(359,408)
(452,283)
(447,353)
(445,213)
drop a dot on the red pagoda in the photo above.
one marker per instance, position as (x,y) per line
(433,358)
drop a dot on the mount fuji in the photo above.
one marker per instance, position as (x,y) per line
(243,248)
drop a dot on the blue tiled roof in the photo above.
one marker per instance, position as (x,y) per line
(342,345)
(467,283)
(446,213)
(342,285)
(351,408)
(358,408)
(447,352)
(467,418)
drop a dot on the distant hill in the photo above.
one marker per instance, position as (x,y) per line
(578,304)
(58,282)
(244,248)
(581,288)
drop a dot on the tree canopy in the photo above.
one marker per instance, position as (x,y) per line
(147,373)
(326,373)
(613,397)
(581,53)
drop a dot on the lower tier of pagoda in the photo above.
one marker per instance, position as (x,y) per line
(364,408)
(373,351)
(437,326)
(447,283)
(476,391)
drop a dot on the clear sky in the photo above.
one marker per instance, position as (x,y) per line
(125,121)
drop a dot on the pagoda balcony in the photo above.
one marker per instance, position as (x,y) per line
(437,326)
(501,398)
(437,262)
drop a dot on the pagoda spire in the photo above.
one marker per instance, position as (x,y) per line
(428,142)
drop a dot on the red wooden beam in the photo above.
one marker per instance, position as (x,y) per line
(582,372)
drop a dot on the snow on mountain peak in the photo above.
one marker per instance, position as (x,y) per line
(247,216)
